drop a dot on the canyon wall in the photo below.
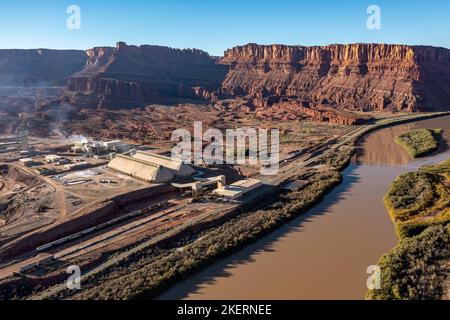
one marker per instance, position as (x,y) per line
(39,67)
(361,77)
(129,76)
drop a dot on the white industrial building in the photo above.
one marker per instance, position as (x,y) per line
(238,189)
(27,162)
(77,166)
(52,158)
(200,183)
(92,147)
(140,169)
(175,166)
(150,167)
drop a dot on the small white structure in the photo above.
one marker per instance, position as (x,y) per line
(52,158)
(112,144)
(24,153)
(92,147)
(76,166)
(201,183)
(238,189)
(27,162)
(63,161)
(77,149)
(118,146)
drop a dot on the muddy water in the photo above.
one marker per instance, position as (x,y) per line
(325,253)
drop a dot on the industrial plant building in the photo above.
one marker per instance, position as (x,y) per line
(27,162)
(151,167)
(175,166)
(141,169)
(14,142)
(52,158)
(155,168)
(200,184)
(92,147)
(238,189)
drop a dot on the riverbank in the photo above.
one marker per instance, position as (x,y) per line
(419,205)
(151,271)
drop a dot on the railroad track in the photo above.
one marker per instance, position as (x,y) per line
(107,239)
(56,289)
(33,263)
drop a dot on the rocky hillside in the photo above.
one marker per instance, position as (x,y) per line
(131,76)
(360,77)
(39,67)
(355,77)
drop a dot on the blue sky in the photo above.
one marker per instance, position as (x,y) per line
(215,25)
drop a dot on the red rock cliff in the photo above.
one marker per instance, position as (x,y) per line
(129,76)
(355,76)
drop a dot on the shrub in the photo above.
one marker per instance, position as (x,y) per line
(419,142)
(415,269)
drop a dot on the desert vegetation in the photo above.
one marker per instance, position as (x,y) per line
(419,205)
(419,142)
(415,269)
(418,199)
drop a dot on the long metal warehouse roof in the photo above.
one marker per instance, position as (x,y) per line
(177,167)
(140,169)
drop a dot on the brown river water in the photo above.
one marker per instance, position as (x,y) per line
(323,254)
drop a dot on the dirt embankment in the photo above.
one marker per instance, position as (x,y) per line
(19,176)
(20,192)
(94,215)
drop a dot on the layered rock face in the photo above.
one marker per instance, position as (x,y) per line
(362,77)
(39,67)
(127,76)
